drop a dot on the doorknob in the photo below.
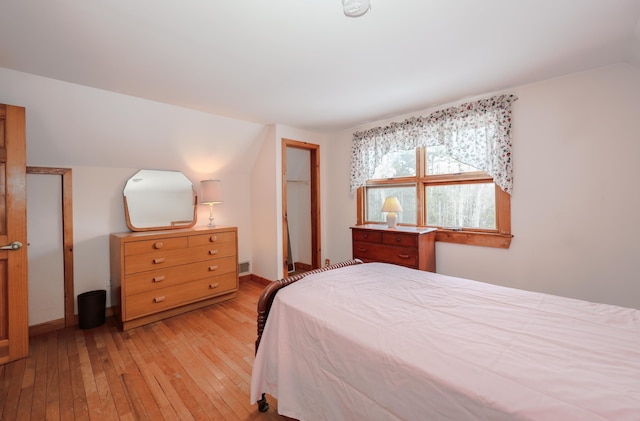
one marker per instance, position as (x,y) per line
(16,245)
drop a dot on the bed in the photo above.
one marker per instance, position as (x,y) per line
(382,342)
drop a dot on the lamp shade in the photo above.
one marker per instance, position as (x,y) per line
(391,204)
(210,192)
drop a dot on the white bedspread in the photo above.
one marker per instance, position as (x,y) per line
(382,342)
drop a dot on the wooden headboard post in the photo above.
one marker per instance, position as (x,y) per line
(266,299)
(269,293)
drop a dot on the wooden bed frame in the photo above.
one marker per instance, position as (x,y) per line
(266,299)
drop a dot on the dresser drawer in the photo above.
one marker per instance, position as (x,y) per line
(413,247)
(217,238)
(174,275)
(150,246)
(399,239)
(370,252)
(161,259)
(369,236)
(165,298)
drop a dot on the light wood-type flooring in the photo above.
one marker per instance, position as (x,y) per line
(195,366)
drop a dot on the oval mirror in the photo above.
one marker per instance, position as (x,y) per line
(155,199)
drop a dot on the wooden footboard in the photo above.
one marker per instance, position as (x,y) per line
(269,293)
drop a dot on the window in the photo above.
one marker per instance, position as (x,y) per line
(397,164)
(457,195)
(406,194)
(451,168)
(437,190)
(461,206)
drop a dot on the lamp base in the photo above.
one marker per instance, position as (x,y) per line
(392,219)
(211,224)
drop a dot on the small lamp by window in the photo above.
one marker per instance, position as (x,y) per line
(210,194)
(391,206)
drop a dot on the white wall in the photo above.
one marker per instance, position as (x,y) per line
(264,216)
(45,252)
(576,200)
(105,137)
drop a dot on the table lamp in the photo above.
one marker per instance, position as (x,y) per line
(210,194)
(391,206)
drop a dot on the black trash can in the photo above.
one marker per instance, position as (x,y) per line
(91,308)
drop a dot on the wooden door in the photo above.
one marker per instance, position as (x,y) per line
(14,314)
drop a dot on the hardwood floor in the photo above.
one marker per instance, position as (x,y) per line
(195,366)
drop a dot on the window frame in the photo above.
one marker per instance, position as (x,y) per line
(499,238)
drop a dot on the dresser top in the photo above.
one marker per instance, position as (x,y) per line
(399,228)
(173,232)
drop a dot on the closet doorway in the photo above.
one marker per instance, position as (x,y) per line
(39,253)
(300,206)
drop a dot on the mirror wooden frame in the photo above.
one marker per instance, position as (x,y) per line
(174,224)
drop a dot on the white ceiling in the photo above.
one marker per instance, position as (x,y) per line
(302,62)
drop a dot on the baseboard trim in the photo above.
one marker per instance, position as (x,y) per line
(46,327)
(261,280)
(303,266)
(58,324)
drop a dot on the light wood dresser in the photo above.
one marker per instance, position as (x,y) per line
(413,247)
(158,274)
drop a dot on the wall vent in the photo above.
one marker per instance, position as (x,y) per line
(244,268)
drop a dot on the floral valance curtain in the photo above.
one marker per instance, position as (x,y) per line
(476,133)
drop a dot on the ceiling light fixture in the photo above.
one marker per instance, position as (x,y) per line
(355,8)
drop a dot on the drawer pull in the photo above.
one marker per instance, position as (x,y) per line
(365,235)
(213,238)
(213,252)
(398,239)
(158,278)
(362,249)
(212,268)
(158,245)
(403,256)
(214,286)
(158,260)
(159,299)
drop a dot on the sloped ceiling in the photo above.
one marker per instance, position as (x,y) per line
(304,63)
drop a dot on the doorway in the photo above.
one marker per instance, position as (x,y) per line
(66,202)
(300,206)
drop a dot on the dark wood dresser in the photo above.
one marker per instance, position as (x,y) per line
(412,247)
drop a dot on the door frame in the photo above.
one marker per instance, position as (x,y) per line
(67,236)
(314,157)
